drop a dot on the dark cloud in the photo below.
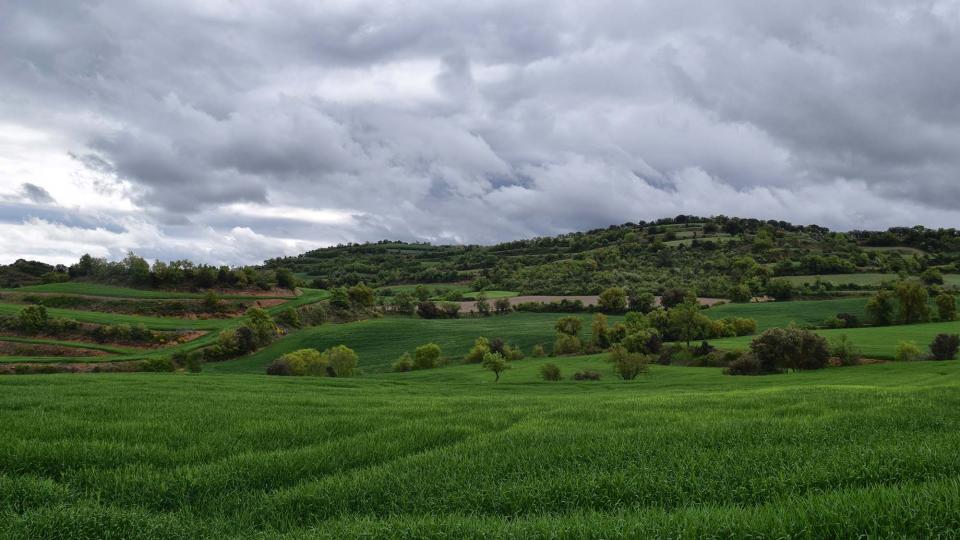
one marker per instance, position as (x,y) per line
(35,193)
(453,121)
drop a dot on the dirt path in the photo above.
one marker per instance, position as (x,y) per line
(588,300)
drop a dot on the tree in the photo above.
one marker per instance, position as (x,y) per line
(947,307)
(404,303)
(880,308)
(211,301)
(780,289)
(675,296)
(907,351)
(566,344)
(426,356)
(502,305)
(421,293)
(688,323)
(341,361)
(598,332)
(945,346)
(641,301)
(340,299)
(627,364)
(932,276)
(137,269)
(481,346)
(261,325)
(569,326)
(361,296)
(741,293)
(286,279)
(32,319)
(302,362)
(483,307)
(790,348)
(613,300)
(496,363)
(912,297)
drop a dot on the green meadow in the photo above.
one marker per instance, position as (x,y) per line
(866,451)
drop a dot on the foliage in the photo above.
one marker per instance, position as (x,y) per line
(496,363)
(947,307)
(628,365)
(908,351)
(404,363)
(426,356)
(745,364)
(586,375)
(569,326)
(912,301)
(341,361)
(550,372)
(566,344)
(790,348)
(881,308)
(613,300)
(845,351)
(598,332)
(945,346)
(480,347)
(537,351)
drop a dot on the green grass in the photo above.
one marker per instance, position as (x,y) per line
(379,342)
(99,289)
(772,314)
(63,343)
(682,453)
(153,323)
(880,342)
(432,287)
(491,294)
(862,280)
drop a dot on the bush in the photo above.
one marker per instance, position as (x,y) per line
(628,365)
(158,365)
(744,327)
(566,344)
(947,307)
(944,346)
(279,367)
(613,300)
(32,319)
(290,318)
(340,361)
(537,351)
(908,351)
(426,356)
(790,348)
(745,364)
(304,362)
(194,362)
(845,352)
(481,346)
(404,363)
(550,372)
(586,375)
(502,305)
(569,326)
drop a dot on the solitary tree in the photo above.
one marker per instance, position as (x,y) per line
(947,307)
(496,363)
(569,326)
(913,302)
(426,356)
(687,323)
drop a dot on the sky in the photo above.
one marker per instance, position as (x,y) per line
(229,132)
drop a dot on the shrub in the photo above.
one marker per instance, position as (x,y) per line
(550,372)
(32,319)
(279,367)
(644,341)
(745,364)
(628,365)
(676,296)
(845,352)
(780,289)
(496,363)
(849,320)
(908,351)
(290,318)
(586,375)
(944,346)
(194,362)
(158,365)
(912,297)
(703,349)
(305,362)
(744,327)
(569,326)
(537,351)
(340,361)
(429,310)
(481,346)
(426,356)
(598,331)
(932,276)
(613,300)
(880,309)
(404,363)
(512,353)
(790,348)
(566,344)
(947,307)
(834,322)
(261,326)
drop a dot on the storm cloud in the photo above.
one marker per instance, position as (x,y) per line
(230,131)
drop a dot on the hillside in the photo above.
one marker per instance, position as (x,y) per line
(714,256)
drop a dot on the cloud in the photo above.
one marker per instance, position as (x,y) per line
(218,127)
(35,193)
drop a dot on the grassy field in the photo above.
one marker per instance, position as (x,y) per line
(772,314)
(380,341)
(491,294)
(99,289)
(879,342)
(153,323)
(682,452)
(862,280)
